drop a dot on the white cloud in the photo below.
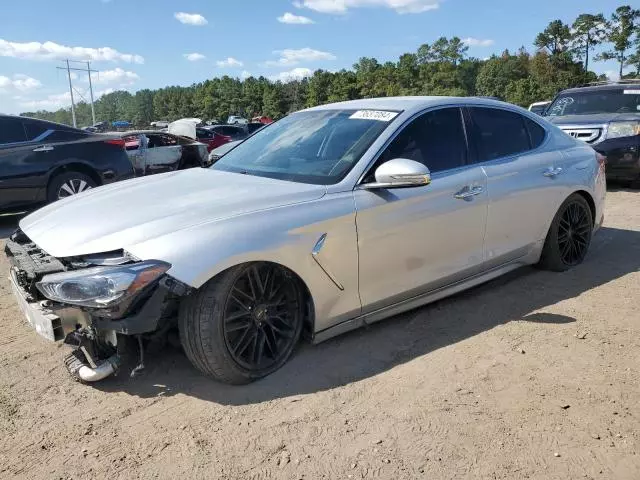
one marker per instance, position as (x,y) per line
(190,18)
(18,83)
(55,51)
(342,6)
(295,74)
(290,57)
(292,19)
(477,42)
(117,76)
(229,63)
(60,100)
(194,57)
(106,91)
(51,102)
(245,74)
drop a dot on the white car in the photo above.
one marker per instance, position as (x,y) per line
(236,120)
(330,219)
(539,107)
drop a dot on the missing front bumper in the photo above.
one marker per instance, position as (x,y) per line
(52,325)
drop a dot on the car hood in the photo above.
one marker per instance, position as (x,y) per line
(595,119)
(124,214)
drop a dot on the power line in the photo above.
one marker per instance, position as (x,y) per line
(71,88)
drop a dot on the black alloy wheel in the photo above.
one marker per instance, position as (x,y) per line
(569,235)
(574,233)
(261,316)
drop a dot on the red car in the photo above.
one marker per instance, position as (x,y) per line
(218,135)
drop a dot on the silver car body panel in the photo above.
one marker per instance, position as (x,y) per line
(389,250)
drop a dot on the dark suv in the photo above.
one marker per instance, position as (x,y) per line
(607,117)
(41,162)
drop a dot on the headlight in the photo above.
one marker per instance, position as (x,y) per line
(101,287)
(623,129)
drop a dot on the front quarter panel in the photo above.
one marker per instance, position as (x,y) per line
(284,235)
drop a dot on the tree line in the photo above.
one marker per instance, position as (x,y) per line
(561,59)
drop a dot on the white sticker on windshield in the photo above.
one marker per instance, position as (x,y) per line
(635,91)
(379,115)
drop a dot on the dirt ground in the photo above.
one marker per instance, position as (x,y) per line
(534,375)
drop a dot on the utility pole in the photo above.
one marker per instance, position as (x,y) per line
(93,111)
(73,105)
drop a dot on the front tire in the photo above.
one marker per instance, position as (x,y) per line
(243,324)
(569,236)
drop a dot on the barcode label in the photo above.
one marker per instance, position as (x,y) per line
(379,115)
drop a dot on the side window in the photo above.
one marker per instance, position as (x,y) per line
(34,129)
(11,130)
(536,132)
(435,139)
(498,133)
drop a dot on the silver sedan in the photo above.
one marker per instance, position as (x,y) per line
(329,219)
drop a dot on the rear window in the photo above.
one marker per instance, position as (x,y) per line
(536,132)
(204,133)
(499,133)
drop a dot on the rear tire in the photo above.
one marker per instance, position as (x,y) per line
(243,324)
(569,235)
(68,184)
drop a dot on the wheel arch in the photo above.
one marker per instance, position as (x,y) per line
(310,311)
(590,201)
(75,167)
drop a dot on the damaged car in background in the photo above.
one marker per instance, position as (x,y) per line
(154,152)
(330,219)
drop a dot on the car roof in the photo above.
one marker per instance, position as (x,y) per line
(48,122)
(408,103)
(605,86)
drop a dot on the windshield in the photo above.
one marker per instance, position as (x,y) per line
(317,147)
(601,101)
(538,109)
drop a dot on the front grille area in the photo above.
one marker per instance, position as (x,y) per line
(30,263)
(588,135)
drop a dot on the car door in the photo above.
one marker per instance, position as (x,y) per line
(16,179)
(412,240)
(163,154)
(522,192)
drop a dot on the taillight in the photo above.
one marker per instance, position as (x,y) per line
(116,141)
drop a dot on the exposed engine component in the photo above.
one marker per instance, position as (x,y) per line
(81,372)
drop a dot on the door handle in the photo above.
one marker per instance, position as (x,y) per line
(552,172)
(468,192)
(44,148)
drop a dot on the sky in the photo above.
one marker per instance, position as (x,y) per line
(136,44)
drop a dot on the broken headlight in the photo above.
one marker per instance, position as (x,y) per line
(101,287)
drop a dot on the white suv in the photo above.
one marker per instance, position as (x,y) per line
(235,120)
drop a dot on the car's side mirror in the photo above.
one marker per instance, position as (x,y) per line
(400,173)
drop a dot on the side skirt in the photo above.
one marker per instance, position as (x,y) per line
(417,301)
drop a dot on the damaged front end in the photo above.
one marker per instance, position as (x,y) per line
(93,302)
